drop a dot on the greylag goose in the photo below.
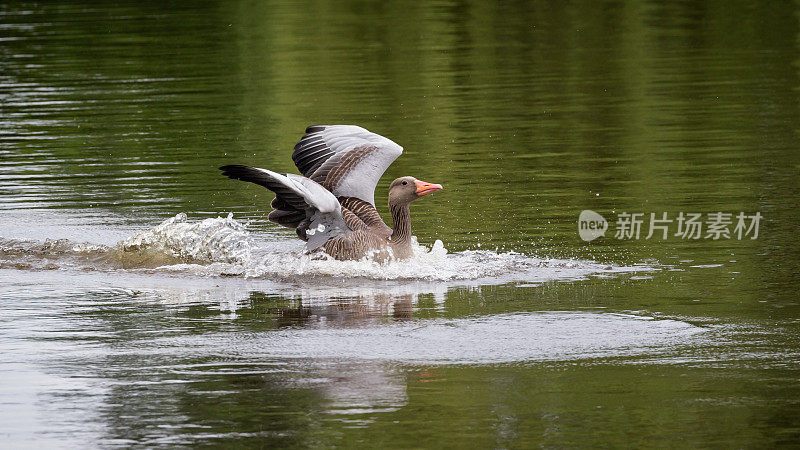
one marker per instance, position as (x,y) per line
(332,205)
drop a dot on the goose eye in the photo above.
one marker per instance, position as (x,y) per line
(405,183)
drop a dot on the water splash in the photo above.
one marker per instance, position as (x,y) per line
(222,246)
(211,240)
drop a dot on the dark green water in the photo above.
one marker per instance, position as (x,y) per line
(114,118)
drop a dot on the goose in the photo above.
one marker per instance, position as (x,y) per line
(332,204)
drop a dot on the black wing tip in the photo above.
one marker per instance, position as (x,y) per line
(239,169)
(244,173)
(315,128)
(234,170)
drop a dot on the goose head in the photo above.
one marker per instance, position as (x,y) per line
(405,190)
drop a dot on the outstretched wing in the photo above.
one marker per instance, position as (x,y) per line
(346,159)
(298,194)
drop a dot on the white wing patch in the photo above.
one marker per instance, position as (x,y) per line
(312,192)
(342,138)
(328,154)
(362,178)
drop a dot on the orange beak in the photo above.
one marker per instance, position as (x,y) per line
(424,188)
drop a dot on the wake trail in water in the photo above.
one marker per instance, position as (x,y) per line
(222,246)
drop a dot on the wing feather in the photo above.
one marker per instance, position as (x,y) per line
(348,160)
(321,211)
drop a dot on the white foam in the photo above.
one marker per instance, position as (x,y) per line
(210,240)
(223,246)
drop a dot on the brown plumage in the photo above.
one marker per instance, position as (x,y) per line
(331,206)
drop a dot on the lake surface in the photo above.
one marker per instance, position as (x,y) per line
(146,300)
